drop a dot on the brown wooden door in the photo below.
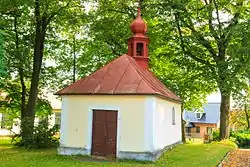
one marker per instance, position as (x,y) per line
(104,133)
(111,131)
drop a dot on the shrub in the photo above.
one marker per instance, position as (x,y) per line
(43,137)
(216,135)
(242,138)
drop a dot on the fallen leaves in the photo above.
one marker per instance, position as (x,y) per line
(237,158)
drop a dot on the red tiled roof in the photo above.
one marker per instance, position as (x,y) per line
(122,76)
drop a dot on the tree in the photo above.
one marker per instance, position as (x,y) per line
(28,23)
(69,45)
(191,86)
(11,102)
(210,40)
(2,64)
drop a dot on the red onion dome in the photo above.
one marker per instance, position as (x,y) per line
(138,26)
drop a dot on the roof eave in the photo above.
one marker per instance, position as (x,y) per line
(153,94)
(203,122)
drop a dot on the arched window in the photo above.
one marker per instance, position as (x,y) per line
(173,116)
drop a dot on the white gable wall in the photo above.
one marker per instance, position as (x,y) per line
(76,120)
(165,132)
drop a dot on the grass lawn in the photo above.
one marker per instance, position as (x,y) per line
(186,155)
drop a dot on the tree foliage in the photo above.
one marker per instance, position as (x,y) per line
(111,30)
(30,24)
(204,39)
(2,58)
(196,47)
(211,34)
(240,116)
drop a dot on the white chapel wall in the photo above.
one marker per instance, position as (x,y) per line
(165,132)
(76,127)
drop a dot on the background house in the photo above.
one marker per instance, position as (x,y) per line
(200,123)
(9,127)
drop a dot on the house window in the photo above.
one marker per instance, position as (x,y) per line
(197,129)
(198,115)
(173,116)
(139,48)
(5,123)
(57,118)
(188,131)
(209,130)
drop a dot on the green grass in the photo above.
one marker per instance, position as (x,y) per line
(186,155)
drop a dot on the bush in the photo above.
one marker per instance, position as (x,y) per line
(242,138)
(216,135)
(43,137)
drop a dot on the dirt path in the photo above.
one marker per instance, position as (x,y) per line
(237,158)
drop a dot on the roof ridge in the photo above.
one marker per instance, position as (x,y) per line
(156,82)
(107,66)
(121,78)
(128,58)
(161,84)
(81,80)
(139,84)
(151,75)
(137,68)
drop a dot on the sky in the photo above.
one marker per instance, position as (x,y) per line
(214,97)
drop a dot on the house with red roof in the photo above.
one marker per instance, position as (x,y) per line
(121,110)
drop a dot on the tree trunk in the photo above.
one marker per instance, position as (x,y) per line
(21,73)
(37,62)
(23,99)
(41,24)
(182,125)
(247,117)
(224,115)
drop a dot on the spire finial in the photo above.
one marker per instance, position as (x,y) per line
(139,11)
(138,26)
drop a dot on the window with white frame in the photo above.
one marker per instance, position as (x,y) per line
(57,118)
(173,116)
(5,122)
(198,115)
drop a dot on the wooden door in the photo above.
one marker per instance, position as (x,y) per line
(104,133)
(98,134)
(111,131)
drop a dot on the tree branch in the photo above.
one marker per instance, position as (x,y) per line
(227,35)
(210,21)
(197,35)
(217,15)
(183,46)
(53,14)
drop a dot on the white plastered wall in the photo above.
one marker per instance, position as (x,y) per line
(164,132)
(76,120)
